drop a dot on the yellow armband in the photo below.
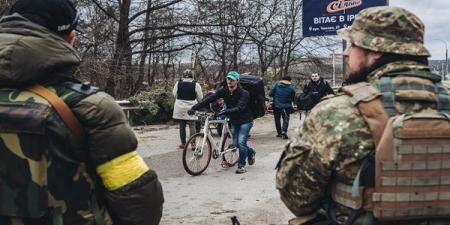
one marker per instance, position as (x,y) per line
(122,170)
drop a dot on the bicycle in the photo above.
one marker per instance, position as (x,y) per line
(198,150)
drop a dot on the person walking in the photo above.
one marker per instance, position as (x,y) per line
(68,154)
(373,153)
(316,89)
(283,94)
(187,92)
(241,119)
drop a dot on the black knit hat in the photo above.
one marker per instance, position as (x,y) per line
(59,16)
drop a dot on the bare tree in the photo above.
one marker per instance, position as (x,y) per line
(4,6)
(290,35)
(149,40)
(264,31)
(148,34)
(223,33)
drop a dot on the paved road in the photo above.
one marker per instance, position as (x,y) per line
(216,195)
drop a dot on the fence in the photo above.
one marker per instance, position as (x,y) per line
(127,107)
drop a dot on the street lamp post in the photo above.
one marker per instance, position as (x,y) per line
(445,70)
(334,70)
(344,69)
(446,62)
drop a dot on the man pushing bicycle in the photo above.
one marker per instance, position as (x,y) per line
(238,111)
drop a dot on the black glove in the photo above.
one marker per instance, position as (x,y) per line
(191,112)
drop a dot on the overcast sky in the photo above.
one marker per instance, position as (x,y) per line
(435,14)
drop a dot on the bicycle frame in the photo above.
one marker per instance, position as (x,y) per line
(197,152)
(208,134)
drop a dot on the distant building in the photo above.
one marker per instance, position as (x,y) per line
(438,67)
(302,68)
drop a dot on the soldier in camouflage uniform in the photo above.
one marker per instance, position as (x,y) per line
(47,176)
(335,139)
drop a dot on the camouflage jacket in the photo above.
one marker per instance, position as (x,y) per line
(330,146)
(44,170)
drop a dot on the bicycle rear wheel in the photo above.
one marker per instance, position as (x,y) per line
(230,152)
(195,161)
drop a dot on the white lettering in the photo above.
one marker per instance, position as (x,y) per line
(325,19)
(316,20)
(63,27)
(350,17)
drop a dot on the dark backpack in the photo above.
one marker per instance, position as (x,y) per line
(304,101)
(255,86)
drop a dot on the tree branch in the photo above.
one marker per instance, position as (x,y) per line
(166,51)
(132,18)
(104,10)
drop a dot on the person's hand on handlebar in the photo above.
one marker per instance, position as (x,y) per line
(222,113)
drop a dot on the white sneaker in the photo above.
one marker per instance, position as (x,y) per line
(241,169)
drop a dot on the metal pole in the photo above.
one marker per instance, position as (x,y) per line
(344,71)
(446,61)
(444,69)
(334,71)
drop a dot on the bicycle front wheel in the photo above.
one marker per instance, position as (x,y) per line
(230,153)
(195,157)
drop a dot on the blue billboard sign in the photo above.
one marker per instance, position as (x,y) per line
(324,17)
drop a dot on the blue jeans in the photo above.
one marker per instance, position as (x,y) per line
(240,136)
(278,114)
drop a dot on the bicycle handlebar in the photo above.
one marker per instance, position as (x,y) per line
(200,113)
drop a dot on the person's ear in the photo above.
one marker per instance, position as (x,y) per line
(374,56)
(70,37)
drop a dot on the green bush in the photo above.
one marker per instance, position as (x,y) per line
(156,107)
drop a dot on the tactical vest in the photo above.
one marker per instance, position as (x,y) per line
(186,90)
(409,174)
(43,167)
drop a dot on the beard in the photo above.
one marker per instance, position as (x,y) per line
(363,73)
(358,76)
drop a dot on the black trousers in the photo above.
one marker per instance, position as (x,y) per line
(278,114)
(192,129)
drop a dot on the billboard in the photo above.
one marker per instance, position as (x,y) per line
(324,17)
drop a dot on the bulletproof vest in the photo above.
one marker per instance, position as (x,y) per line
(186,90)
(407,177)
(43,168)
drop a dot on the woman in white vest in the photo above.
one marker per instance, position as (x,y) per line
(187,93)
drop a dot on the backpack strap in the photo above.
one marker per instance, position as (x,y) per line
(388,91)
(62,109)
(75,127)
(367,99)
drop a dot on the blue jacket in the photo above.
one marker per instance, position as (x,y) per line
(283,94)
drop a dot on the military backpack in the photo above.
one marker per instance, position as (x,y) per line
(410,168)
(35,175)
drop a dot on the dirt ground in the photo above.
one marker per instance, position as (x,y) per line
(218,194)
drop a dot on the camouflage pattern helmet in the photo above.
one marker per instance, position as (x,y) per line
(387,29)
